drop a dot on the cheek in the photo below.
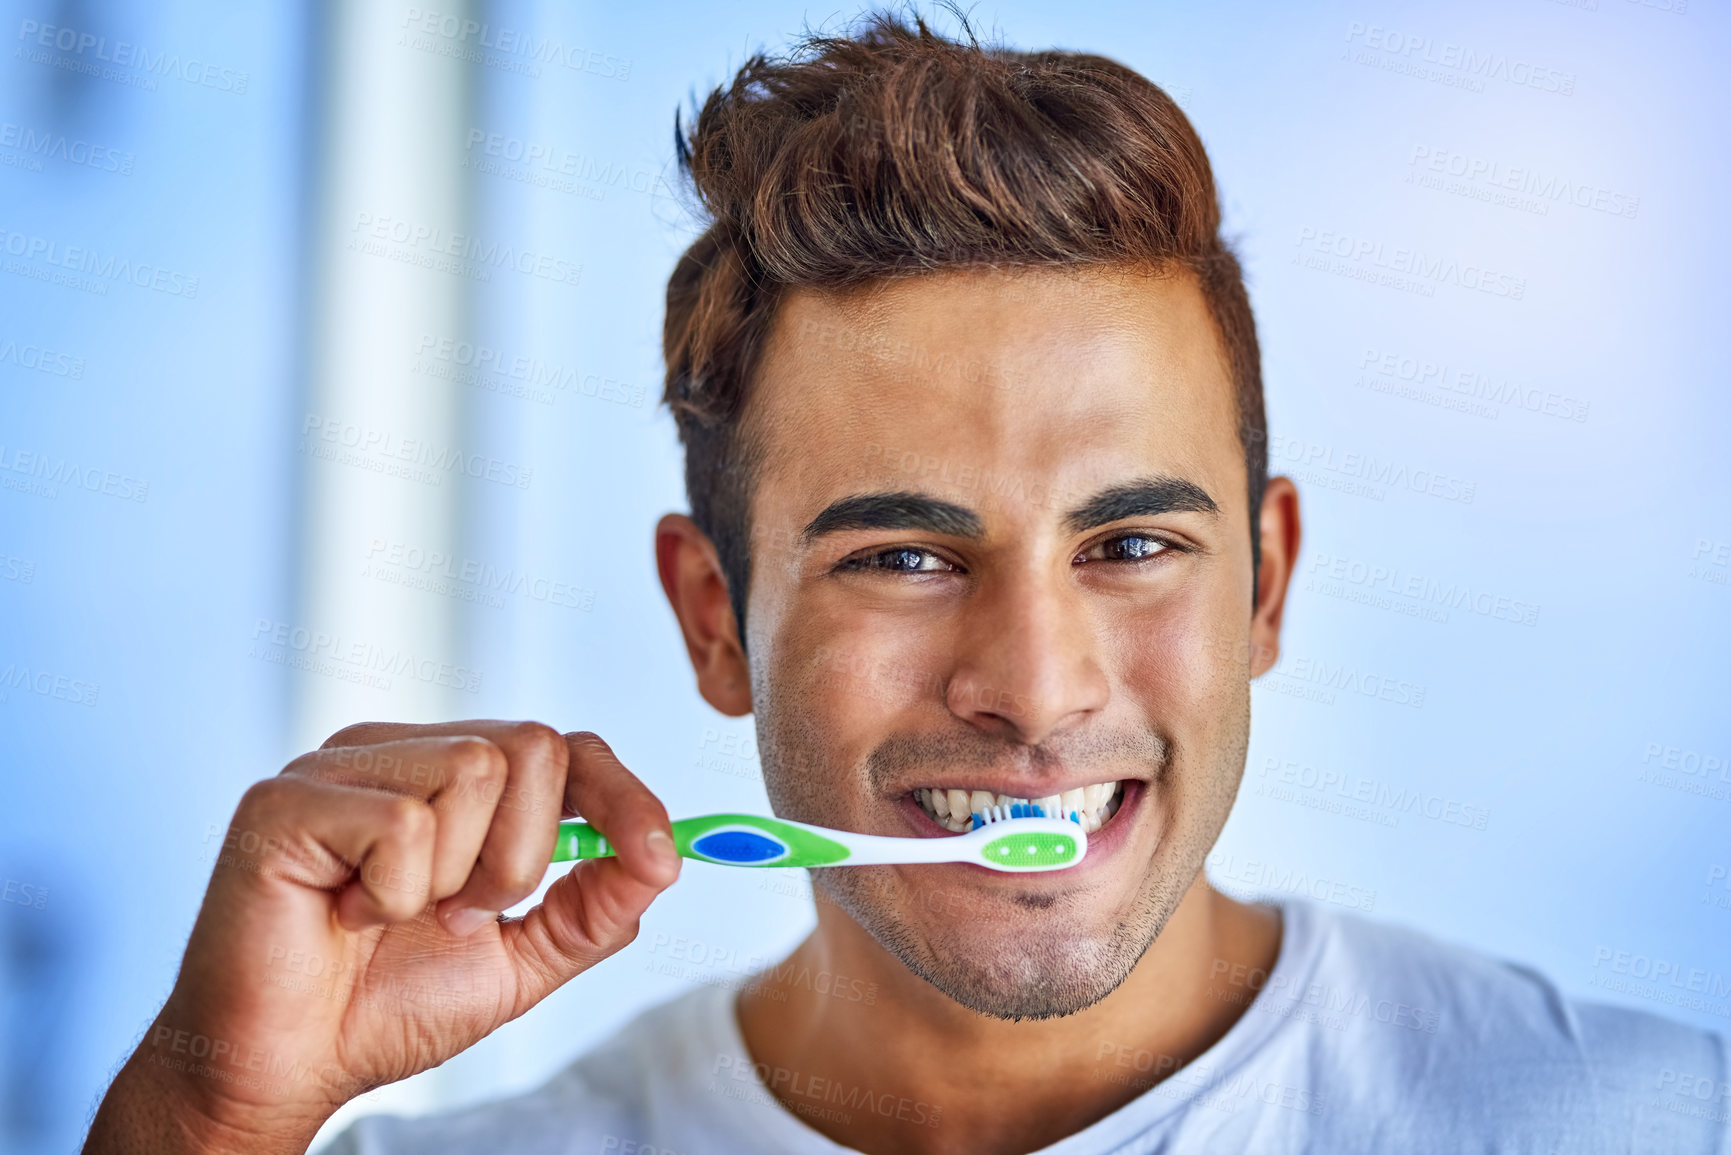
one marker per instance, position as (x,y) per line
(831,691)
(1176,663)
(861,681)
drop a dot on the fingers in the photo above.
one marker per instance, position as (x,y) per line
(498,800)
(462,777)
(519,844)
(376,847)
(610,798)
(497,790)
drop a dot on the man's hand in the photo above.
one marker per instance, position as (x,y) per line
(351,935)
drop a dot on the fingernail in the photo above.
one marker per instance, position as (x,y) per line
(661,846)
(468,920)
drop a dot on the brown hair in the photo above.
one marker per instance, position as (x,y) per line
(894,152)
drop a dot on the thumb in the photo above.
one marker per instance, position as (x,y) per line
(584,917)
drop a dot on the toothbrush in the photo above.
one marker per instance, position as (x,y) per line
(1009,838)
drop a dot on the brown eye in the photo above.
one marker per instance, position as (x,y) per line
(1127,547)
(902,559)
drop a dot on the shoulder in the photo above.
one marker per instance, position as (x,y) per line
(612,1094)
(1393,1015)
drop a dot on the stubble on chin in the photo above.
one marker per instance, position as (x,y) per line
(1048,958)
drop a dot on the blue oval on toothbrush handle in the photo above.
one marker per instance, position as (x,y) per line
(742,847)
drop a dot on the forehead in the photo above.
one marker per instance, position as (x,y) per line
(987,386)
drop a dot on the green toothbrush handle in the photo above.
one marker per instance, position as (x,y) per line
(580,840)
(727,839)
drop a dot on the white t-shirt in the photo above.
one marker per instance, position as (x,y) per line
(1363,1038)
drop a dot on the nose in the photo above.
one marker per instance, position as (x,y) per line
(1027,663)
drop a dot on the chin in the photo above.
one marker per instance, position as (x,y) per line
(1023,956)
(1025,974)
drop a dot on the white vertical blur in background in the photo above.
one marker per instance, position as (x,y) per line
(329,358)
(380,438)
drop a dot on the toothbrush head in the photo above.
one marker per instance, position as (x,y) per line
(1024,843)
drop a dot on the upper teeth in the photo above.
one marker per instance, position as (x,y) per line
(954,809)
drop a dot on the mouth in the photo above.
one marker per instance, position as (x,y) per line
(954,808)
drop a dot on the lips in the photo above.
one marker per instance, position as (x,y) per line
(953,807)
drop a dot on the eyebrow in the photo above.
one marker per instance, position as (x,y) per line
(1144,497)
(911,511)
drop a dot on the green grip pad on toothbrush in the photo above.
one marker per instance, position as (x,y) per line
(1031,851)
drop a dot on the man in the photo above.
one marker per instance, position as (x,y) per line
(970,396)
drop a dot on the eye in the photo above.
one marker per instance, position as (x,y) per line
(1126,547)
(901,559)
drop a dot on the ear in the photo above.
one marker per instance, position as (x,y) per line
(697,590)
(1281,534)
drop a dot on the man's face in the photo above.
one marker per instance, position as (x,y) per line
(1001,545)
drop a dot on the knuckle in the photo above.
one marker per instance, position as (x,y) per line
(588,742)
(305,766)
(476,758)
(518,877)
(264,797)
(540,739)
(409,819)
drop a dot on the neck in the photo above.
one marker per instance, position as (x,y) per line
(877,1059)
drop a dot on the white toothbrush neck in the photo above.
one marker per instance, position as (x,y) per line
(884,850)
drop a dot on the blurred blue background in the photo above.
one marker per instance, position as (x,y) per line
(272,387)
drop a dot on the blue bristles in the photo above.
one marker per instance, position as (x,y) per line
(1017,810)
